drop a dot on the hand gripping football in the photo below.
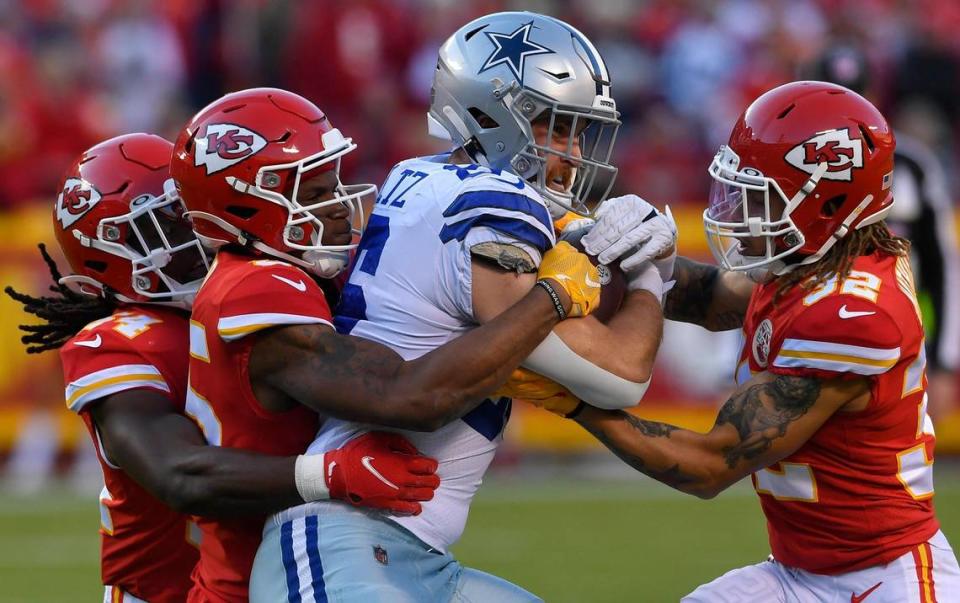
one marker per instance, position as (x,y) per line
(612,280)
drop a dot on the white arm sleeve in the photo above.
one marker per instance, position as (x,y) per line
(595,386)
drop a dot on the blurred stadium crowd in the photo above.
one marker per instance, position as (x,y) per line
(74,72)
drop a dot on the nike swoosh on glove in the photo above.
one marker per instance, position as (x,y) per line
(381,470)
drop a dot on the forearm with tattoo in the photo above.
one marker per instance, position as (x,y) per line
(707,296)
(671,476)
(749,434)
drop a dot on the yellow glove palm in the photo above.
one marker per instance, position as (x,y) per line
(575,274)
(538,390)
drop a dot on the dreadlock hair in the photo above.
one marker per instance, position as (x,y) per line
(64,313)
(839,260)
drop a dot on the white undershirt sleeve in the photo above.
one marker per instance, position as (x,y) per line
(595,386)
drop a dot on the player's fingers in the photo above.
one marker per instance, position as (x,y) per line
(421,465)
(421,481)
(538,396)
(603,236)
(635,262)
(403,507)
(416,494)
(600,211)
(649,250)
(631,241)
(396,442)
(649,239)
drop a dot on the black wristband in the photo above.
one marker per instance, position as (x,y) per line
(576,411)
(554,297)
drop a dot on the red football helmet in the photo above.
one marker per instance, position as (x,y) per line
(238,165)
(807,163)
(122,227)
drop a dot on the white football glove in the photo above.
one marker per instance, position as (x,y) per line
(633,231)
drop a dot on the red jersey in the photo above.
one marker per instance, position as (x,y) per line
(240,297)
(859,492)
(147,549)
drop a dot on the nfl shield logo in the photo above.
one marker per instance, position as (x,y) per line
(380,554)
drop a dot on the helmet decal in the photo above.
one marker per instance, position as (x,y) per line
(121,227)
(223,145)
(512,49)
(77,198)
(841,153)
(796,148)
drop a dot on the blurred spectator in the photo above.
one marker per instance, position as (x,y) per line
(140,67)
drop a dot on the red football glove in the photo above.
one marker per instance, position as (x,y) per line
(382,471)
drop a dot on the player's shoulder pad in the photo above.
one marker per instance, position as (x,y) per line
(131,332)
(838,334)
(263,275)
(269,293)
(499,201)
(117,353)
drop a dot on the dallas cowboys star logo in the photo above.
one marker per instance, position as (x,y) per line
(513,49)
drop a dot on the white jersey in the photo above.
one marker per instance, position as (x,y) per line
(410,289)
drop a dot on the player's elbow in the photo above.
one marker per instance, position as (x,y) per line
(187,500)
(704,491)
(700,486)
(638,373)
(185,490)
(634,367)
(710,484)
(176,492)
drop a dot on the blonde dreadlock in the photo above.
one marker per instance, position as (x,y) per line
(839,260)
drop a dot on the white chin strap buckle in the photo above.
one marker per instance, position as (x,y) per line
(161,258)
(327,264)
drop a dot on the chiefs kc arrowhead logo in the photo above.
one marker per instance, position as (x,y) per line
(841,153)
(76,199)
(221,145)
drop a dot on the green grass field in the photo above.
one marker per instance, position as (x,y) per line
(566,540)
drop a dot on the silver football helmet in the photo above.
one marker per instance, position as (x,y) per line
(498,74)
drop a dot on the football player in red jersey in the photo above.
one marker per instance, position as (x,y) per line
(259,172)
(829,417)
(120,322)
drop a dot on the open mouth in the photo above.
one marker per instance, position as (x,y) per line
(560,184)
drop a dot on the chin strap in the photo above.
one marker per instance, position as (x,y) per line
(326,264)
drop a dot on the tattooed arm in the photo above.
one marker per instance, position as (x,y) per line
(708,296)
(765,420)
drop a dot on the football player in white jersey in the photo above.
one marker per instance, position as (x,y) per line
(453,240)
